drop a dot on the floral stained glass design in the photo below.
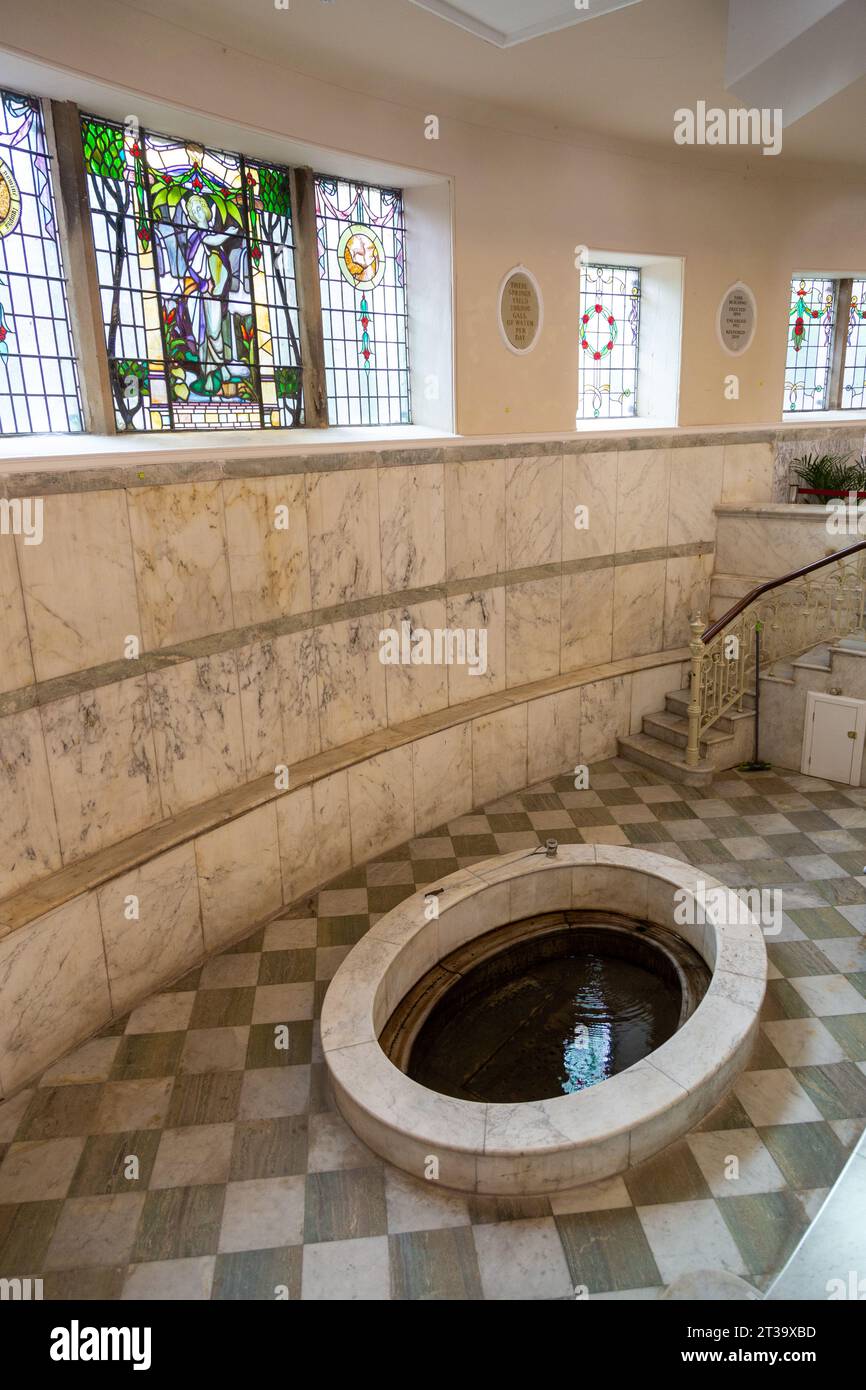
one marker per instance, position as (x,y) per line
(38,376)
(810,343)
(854,370)
(362,272)
(195,260)
(609,339)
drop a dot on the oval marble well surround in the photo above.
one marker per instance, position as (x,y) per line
(552,1145)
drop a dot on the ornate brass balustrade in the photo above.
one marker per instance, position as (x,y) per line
(820,603)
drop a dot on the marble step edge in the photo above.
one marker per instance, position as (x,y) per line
(676,701)
(663,757)
(674,729)
(52,891)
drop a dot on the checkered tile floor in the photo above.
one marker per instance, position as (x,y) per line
(246,1183)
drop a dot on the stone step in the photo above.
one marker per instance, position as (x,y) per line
(677,702)
(665,759)
(674,729)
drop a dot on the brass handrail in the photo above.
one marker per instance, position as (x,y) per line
(760,589)
(794,613)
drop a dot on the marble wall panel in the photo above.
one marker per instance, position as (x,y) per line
(442,777)
(643,482)
(279,702)
(532,630)
(553,725)
(416,689)
(412,526)
(687,593)
(604,715)
(198,730)
(498,754)
(381,805)
(181,564)
(343,521)
(587,618)
(102,766)
(638,609)
(351,679)
(79,584)
(16,662)
(480,610)
(29,844)
(474,518)
(533,511)
(590,481)
(748,473)
(239,875)
(54,988)
(164,938)
(269,562)
(696,488)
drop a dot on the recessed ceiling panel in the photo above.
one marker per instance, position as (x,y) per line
(507,22)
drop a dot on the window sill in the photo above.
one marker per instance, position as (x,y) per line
(83,450)
(629,422)
(793,417)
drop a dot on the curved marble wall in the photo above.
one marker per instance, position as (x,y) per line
(167,646)
(167,642)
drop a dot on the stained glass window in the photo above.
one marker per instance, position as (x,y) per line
(609,332)
(810,343)
(195,260)
(854,370)
(362,271)
(38,377)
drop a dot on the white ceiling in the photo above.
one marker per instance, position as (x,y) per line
(619,77)
(507,22)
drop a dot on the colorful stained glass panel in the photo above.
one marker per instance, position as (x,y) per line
(362,273)
(195,260)
(811,316)
(609,334)
(38,376)
(854,369)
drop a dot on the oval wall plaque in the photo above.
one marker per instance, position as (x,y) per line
(737,319)
(521,310)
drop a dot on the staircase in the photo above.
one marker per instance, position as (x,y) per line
(661,744)
(792,621)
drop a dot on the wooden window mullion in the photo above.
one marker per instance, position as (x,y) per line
(82,282)
(303,193)
(844,290)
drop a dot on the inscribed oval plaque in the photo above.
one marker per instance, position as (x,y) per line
(738,316)
(521,310)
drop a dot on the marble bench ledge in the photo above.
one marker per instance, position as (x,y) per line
(97,463)
(58,888)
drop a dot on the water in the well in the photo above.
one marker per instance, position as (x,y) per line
(548,1017)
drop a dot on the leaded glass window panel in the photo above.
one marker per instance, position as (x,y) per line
(609,341)
(195,260)
(854,370)
(810,343)
(362,271)
(38,377)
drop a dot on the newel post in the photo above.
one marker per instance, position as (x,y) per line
(696,647)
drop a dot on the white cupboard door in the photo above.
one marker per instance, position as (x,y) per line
(833,738)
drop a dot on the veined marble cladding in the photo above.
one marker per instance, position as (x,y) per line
(135,927)
(184,629)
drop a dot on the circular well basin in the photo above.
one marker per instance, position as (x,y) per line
(545,1007)
(551,1144)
